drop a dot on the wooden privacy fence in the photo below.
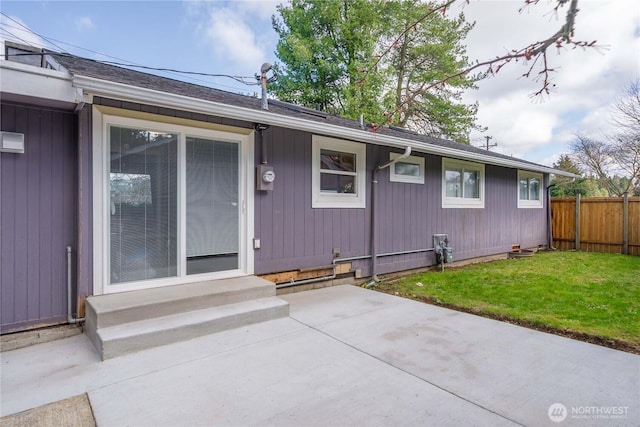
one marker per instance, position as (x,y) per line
(598,224)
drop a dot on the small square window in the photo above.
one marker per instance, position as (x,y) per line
(462,184)
(529,189)
(409,169)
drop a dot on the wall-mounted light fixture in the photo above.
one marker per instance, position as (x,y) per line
(11,142)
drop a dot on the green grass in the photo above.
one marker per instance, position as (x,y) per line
(570,292)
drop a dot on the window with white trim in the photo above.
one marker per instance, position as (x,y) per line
(339,173)
(529,189)
(462,184)
(409,169)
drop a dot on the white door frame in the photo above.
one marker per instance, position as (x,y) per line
(104,116)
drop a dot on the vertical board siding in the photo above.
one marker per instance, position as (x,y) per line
(294,236)
(37,216)
(601,224)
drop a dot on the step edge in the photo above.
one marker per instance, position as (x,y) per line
(110,348)
(162,294)
(220,311)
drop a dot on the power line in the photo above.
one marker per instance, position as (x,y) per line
(487,145)
(15,36)
(4,26)
(195,73)
(126,63)
(33,32)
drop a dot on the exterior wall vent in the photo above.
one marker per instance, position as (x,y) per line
(11,142)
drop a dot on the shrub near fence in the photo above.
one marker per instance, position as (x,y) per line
(598,224)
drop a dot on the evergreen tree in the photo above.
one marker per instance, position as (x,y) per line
(568,187)
(331,56)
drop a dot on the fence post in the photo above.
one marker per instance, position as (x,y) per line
(625,224)
(578,222)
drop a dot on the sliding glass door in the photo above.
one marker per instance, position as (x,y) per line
(143,204)
(174,205)
(212,172)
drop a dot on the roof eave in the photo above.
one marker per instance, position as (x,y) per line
(99,87)
(49,87)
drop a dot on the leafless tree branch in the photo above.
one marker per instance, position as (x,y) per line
(535,52)
(618,153)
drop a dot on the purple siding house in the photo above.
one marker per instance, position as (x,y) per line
(132,182)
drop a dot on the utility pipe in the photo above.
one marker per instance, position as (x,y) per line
(259,127)
(70,318)
(305,281)
(263,83)
(321,279)
(355,258)
(374,190)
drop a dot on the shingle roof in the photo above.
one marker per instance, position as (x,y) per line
(91,68)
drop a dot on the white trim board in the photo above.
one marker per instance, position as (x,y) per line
(100,203)
(99,87)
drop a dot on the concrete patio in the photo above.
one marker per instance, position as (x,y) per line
(344,356)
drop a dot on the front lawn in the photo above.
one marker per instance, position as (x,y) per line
(590,296)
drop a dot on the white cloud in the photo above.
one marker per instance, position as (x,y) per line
(587,80)
(262,9)
(83,23)
(14,29)
(233,39)
(238,32)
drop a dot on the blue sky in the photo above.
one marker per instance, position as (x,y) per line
(236,38)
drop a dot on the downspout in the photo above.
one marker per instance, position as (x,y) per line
(549,219)
(374,190)
(70,318)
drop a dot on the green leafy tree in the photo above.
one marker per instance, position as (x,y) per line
(322,45)
(569,187)
(330,57)
(428,50)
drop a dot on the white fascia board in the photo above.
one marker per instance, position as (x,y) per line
(30,81)
(105,88)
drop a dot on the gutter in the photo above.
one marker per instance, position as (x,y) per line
(105,88)
(35,82)
(374,191)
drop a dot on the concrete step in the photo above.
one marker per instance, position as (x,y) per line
(117,309)
(126,322)
(127,338)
